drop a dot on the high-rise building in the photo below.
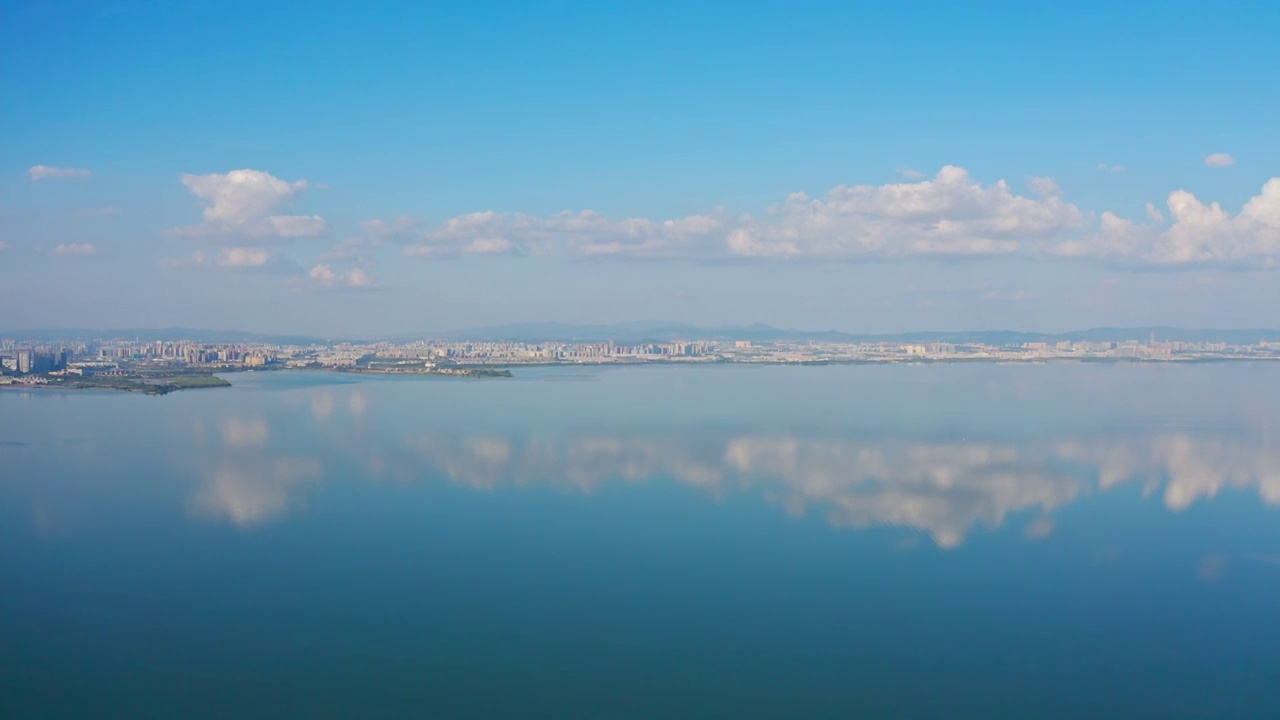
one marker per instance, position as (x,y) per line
(26,360)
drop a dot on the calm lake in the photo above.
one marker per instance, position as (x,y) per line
(960,541)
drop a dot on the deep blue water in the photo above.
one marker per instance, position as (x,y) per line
(963,541)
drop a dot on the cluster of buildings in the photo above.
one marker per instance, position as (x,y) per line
(189,353)
(116,358)
(35,361)
(809,352)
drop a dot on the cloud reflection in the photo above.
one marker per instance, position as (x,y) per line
(244,432)
(1189,468)
(251,493)
(942,489)
(244,481)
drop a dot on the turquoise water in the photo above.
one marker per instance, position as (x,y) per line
(966,541)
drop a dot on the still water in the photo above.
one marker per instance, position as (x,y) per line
(981,541)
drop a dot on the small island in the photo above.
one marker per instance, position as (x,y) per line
(149,384)
(393,364)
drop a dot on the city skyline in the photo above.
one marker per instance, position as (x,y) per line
(862,170)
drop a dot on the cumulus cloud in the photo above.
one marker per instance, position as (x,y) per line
(246,204)
(1219,160)
(71,249)
(234,258)
(325,276)
(49,172)
(584,234)
(1044,187)
(947,215)
(911,174)
(244,257)
(1199,234)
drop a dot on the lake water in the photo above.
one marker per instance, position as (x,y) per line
(961,541)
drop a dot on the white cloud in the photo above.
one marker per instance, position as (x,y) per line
(1199,234)
(1104,167)
(234,258)
(49,172)
(4,245)
(911,174)
(244,257)
(586,233)
(325,276)
(244,203)
(948,215)
(1044,187)
(1219,160)
(69,249)
(359,278)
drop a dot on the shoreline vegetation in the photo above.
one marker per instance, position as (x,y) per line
(163,384)
(484,371)
(155,385)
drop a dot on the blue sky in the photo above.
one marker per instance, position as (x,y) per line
(409,167)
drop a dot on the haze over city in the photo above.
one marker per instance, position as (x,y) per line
(379,170)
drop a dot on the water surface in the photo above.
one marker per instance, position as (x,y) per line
(874,541)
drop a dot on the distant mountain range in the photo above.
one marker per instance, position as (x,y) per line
(639,332)
(667,332)
(153,334)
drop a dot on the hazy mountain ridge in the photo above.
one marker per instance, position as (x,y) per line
(653,331)
(668,332)
(155,334)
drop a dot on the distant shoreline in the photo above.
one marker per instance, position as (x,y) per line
(197,381)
